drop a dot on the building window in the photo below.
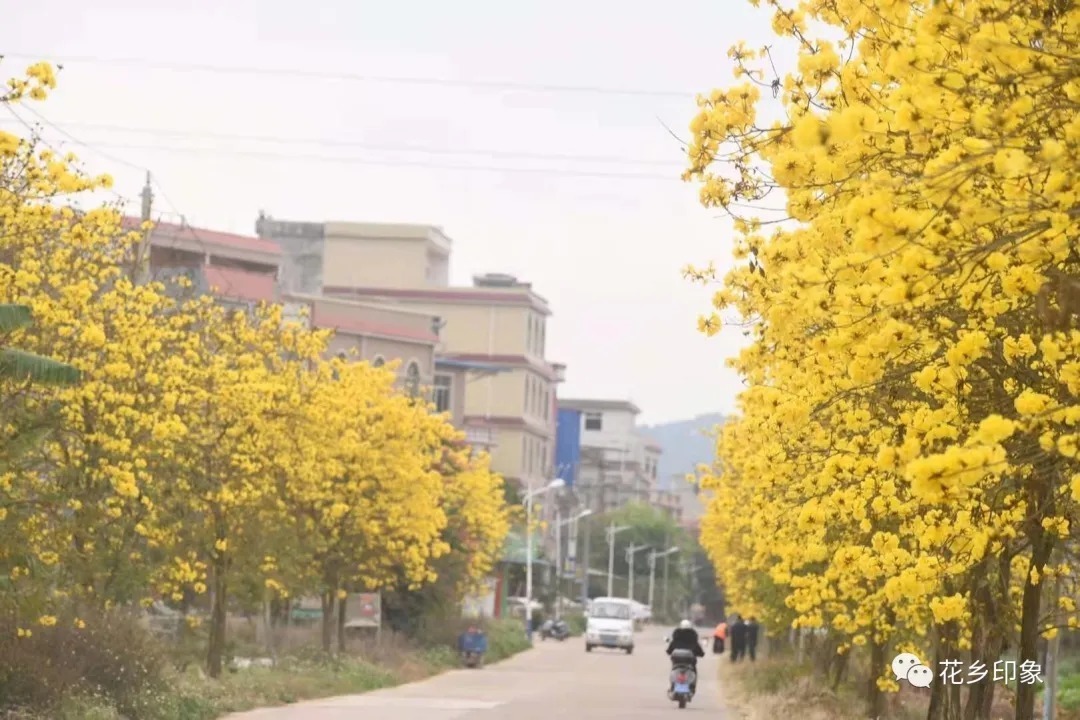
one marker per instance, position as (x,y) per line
(525,456)
(529,339)
(379,361)
(528,394)
(412,379)
(441,393)
(540,348)
(594,421)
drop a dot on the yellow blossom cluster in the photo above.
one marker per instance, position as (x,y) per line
(904,468)
(204,450)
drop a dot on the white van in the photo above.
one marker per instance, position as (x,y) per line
(610,624)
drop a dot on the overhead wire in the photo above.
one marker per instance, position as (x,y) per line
(150,176)
(497,85)
(565,172)
(362,145)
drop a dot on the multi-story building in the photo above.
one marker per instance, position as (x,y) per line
(243,270)
(691,498)
(493,332)
(618,465)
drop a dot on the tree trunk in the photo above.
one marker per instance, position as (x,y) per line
(988,637)
(268,625)
(216,649)
(840,666)
(1029,625)
(874,698)
(327,621)
(944,698)
(342,602)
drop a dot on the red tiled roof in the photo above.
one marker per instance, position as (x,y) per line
(209,237)
(240,284)
(344,323)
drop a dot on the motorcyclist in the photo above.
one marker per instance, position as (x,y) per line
(472,642)
(686,638)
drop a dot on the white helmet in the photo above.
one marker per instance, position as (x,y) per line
(685,625)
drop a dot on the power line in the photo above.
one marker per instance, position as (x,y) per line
(354,77)
(45,121)
(390,163)
(361,145)
(150,176)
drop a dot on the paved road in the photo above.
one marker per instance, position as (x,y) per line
(554,681)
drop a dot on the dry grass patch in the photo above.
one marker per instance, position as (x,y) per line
(781,687)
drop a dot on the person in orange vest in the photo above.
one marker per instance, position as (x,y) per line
(719,636)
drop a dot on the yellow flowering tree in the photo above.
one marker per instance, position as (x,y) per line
(368,504)
(233,393)
(909,436)
(77,494)
(478,521)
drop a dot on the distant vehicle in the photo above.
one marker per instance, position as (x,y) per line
(556,629)
(642,613)
(610,624)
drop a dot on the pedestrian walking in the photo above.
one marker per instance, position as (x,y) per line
(737,631)
(751,637)
(719,636)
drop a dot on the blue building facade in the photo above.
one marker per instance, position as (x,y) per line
(568,445)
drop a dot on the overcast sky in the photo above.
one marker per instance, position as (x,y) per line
(605,249)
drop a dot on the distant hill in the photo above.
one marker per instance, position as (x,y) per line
(686,443)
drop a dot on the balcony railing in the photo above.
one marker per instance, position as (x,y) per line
(480,437)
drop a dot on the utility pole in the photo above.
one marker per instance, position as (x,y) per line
(652,570)
(630,552)
(585,568)
(664,602)
(612,531)
(142,253)
(652,576)
(558,559)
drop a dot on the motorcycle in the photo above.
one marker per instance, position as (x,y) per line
(472,647)
(683,677)
(555,629)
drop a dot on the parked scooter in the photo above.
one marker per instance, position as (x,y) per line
(555,629)
(683,677)
(472,645)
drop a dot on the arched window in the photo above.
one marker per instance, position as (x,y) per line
(412,378)
(379,361)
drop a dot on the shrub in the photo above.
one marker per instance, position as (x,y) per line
(506,637)
(576,624)
(113,658)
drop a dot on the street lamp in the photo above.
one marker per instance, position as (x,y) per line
(553,485)
(652,569)
(630,553)
(558,556)
(612,531)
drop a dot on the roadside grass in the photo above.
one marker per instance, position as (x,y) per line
(181,691)
(1068,691)
(779,685)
